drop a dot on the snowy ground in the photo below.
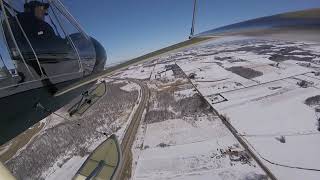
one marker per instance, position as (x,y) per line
(256,85)
(192,152)
(267,89)
(180,138)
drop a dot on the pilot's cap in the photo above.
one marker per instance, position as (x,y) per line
(33,4)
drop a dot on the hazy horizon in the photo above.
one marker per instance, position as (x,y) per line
(129,29)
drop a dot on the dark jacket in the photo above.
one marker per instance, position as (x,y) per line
(36,29)
(41,35)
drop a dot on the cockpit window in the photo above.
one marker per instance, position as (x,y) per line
(81,41)
(4,71)
(8,73)
(41,46)
(41,40)
(4,54)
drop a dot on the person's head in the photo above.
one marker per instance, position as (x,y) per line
(38,9)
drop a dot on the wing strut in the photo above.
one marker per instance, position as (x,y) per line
(193,18)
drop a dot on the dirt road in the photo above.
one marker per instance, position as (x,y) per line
(129,137)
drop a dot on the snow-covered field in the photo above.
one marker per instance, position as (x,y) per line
(265,86)
(269,91)
(181,139)
(136,72)
(175,149)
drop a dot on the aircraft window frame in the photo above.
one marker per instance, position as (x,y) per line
(69,16)
(9,11)
(3,68)
(57,24)
(6,21)
(66,34)
(30,45)
(53,23)
(13,73)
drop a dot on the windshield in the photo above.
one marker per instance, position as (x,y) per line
(39,39)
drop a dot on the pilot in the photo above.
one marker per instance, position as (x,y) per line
(41,35)
(33,21)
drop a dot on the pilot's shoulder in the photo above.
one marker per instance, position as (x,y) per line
(46,24)
(24,16)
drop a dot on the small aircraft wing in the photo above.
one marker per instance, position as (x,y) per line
(103,162)
(299,25)
(5,173)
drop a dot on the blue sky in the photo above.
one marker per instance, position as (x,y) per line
(130,28)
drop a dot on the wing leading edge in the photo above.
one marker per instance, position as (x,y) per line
(304,23)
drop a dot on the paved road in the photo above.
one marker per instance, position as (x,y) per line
(131,132)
